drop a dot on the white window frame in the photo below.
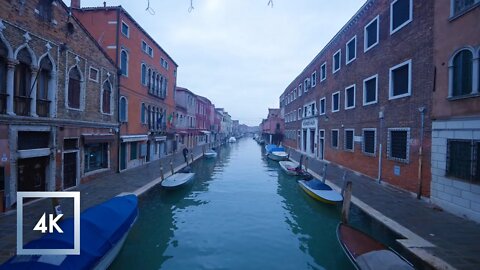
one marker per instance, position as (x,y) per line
(389,140)
(313,79)
(90,74)
(299,113)
(300,89)
(323,71)
(126,109)
(345,140)
(128,60)
(333,103)
(365,92)
(295,93)
(339,52)
(306,84)
(347,51)
(128,29)
(320,106)
(354,96)
(393,31)
(365,48)
(390,81)
(374,142)
(331,138)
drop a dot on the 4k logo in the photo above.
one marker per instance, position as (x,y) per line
(52,222)
(49,223)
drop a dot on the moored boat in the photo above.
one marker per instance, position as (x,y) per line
(320,191)
(278,155)
(367,253)
(103,228)
(210,153)
(293,168)
(177,180)
(232,140)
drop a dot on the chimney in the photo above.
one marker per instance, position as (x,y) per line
(75,4)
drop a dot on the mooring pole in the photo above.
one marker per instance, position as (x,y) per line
(347,194)
(324,176)
(192,157)
(171,166)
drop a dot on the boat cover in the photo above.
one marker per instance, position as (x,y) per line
(101,227)
(317,185)
(382,259)
(273,148)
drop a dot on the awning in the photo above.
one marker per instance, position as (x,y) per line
(134,138)
(97,138)
(205,132)
(160,138)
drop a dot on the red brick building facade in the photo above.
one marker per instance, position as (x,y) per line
(364,101)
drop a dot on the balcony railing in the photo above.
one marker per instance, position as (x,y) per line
(3,103)
(22,105)
(43,107)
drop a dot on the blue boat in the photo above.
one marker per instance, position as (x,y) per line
(320,191)
(103,230)
(275,152)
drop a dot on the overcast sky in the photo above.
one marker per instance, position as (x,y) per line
(241,54)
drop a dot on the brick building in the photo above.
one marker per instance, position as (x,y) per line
(204,119)
(456,108)
(147,82)
(187,132)
(364,101)
(58,90)
(273,127)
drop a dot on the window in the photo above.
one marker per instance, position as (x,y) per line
(460,6)
(336,61)
(74,79)
(370,90)
(323,72)
(371,34)
(323,106)
(124,63)
(400,80)
(43,80)
(147,49)
(314,79)
(300,89)
(96,156)
(349,136)
(150,51)
(335,138)
(22,80)
(123,109)
(125,29)
(350,97)
(3,79)
(44,8)
(294,92)
(462,70)
(299,113)
(106,97)
(351,50)
(164,63)
(306,85)
(463,159)
(93,74)
(400,14)
(369,141)
(133,150)
(144,74)
(144,46)
(398,144)
(336,102)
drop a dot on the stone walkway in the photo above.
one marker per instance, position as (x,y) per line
(92,193)
(456,241)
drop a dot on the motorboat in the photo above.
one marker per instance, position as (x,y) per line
(275,152)
(210,153)
(103,230)
(177,180)
(367,253)
(232,140)
(294,168)
(320,191)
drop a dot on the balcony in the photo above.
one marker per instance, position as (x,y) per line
(3,103)
(43,107)
(22,105)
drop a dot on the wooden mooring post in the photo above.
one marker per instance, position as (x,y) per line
(306,164)
(171,166)
(324,175)
(161,171)
(347,195)
(203,150)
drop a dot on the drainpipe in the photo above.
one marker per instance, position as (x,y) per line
(420,152)
(118,91)
(380,151)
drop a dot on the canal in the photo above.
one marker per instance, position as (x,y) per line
(241,212)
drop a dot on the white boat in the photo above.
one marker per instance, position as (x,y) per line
(103,227)
(210,153)
(320,191)
(289,167)
(232,140)
(177,180)
(278,155)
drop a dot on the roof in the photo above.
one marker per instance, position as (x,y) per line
(178,88)
(106,8)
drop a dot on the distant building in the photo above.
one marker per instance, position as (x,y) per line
(273,127)
(187,133)
(456,108)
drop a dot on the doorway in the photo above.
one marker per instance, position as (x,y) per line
(32,174)
(123,156)
(69,170)
(321,145)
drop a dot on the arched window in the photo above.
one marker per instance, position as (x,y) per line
(44,77)
(123,109)
(142,114)
(149,116)
(153,83)
(124,62)
(149,73)
(74,83)
(22,81)
(106,96)
(462,73)
(157,89)
(3,78)
(144,74)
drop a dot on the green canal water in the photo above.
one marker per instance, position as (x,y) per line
(241,212)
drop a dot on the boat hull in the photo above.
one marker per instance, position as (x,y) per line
(210,154)
(328,196)
(177,180)
(278,156)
